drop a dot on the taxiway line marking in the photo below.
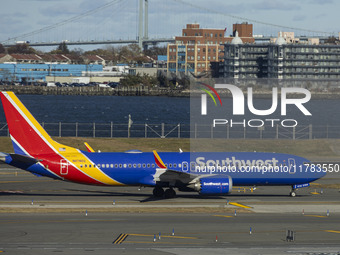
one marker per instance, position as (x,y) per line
(157,242)
(239,205)
(55,221)
(26,181)
(120,238)
(317,216)
(181,237)
(225,216)
(332,231)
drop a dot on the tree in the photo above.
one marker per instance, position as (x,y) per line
(135,80)
(61,49)
(331,40)
(163,80)
(2,49)
(77,52)
(153,52)
(22,48)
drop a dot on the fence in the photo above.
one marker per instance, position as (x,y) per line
(184,131)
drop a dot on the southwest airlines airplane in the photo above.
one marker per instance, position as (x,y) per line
(205,172)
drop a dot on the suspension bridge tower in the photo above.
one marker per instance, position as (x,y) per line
(143,20)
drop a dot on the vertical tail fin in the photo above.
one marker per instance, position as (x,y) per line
(28,136)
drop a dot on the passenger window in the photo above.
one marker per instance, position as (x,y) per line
(144,165)
(103,165)
(134,165)
(111,165)
(139,165)
(116,165)
(130,165)
(175,165)
(170,165)
(107,165)
(148,165)
(153,165)
(120,165)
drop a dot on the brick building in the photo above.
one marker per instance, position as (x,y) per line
(200,50)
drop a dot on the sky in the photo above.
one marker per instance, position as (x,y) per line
(118,20)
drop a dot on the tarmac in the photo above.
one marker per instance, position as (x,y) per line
(43,216)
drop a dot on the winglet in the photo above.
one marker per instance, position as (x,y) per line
(158,160)
(88,147)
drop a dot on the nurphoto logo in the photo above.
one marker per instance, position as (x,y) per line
(239,105)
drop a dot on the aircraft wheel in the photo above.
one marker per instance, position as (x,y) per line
(158,192)
(292,194)
(170,193)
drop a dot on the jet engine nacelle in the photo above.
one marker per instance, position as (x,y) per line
(214,185)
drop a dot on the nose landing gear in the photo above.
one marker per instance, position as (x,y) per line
(292,192)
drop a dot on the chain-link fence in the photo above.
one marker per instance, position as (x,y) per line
(163,130)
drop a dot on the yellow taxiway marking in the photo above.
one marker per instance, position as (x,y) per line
(158,242)
(182,237)
(314,192)
(55,221)
(332,231)
(120,238)
(15,173)
(239,205)
(317,216)
(26,181)
(225,216)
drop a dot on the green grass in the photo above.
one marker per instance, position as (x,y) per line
(311,149)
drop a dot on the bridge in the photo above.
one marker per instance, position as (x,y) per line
(144,42)
(66,30)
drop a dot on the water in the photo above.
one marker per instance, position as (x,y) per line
(171,110)
(154,111)
(103,109)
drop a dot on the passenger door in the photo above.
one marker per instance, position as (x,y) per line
(292,165)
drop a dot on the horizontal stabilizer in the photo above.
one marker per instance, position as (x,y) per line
(23,159)
(3,156)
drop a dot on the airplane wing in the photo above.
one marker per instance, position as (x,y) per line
(163,174)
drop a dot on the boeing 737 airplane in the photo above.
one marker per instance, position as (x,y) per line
(205,172)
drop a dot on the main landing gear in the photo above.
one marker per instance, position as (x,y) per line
(168,193)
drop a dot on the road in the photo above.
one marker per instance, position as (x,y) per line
(43,216)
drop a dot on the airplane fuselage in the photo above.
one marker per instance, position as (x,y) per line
(137,168)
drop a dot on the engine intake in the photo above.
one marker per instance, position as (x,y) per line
(214,185)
